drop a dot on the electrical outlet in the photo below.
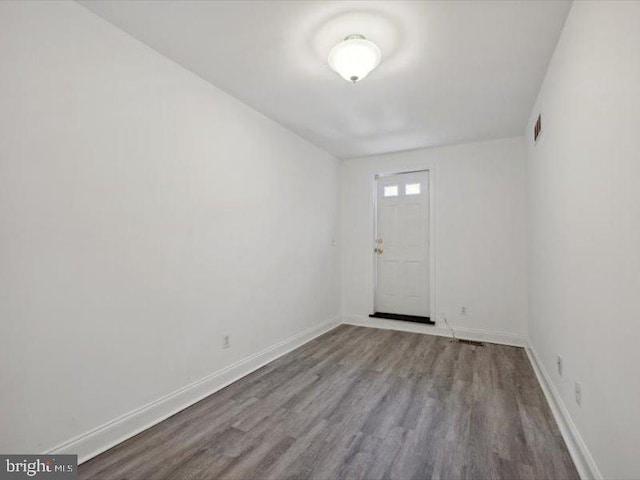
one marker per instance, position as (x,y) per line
(559,362)
(463,311)
(578,394)
(226,341)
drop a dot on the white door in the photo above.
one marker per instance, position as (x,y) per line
(402,244)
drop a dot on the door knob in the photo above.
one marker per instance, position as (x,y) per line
(379,240)
(379,251)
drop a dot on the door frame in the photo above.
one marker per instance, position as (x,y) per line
(431,244)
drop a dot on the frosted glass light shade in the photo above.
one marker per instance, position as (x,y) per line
(354,58)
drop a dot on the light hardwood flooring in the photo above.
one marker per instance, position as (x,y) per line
(360,403)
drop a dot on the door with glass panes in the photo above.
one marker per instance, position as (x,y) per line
(402,244)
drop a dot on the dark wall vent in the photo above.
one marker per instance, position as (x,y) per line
(537,129)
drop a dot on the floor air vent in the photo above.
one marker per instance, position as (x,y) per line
(471,342)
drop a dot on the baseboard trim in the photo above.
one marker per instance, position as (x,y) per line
(489,336)
(106,436)
(582,458)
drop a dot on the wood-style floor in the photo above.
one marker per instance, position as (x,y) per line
(360,403)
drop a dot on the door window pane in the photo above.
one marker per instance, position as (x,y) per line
(412,189)
(391,190)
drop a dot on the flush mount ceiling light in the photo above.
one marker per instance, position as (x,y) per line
(354,58)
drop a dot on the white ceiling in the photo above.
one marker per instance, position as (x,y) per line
(451,71)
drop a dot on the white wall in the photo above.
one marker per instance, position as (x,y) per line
(584,228)
(143,215)
(478,206)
